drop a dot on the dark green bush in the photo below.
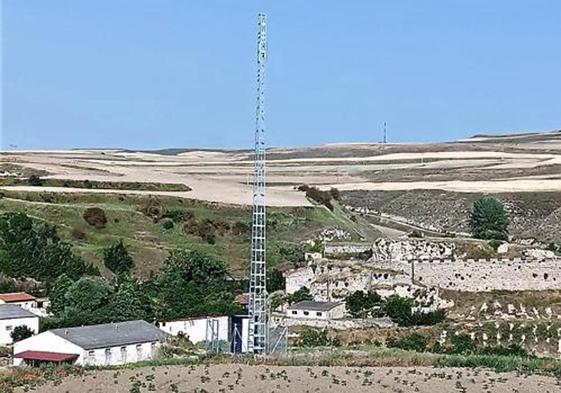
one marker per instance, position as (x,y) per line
(316,338)
(360,304)
(411,342)
(167,223)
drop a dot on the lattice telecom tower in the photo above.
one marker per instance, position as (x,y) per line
(258,311)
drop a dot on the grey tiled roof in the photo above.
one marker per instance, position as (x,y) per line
(11,311)
(111,334)
(314,306)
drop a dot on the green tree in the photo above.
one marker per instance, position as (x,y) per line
(275,280)
(117,258)
(398,309)
(57,293)
(21,333)
(191,283)
(300,295)
(36,250)
(489,220)
(361,304)
(195,266)
(125,305)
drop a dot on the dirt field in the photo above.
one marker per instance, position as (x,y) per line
(257,379)
(484,164)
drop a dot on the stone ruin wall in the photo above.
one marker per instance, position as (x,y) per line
(386,250)
(338,282)
(483,275)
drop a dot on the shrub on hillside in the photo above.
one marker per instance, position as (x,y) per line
(316,338)
(400,310)
(241,228)
(95,216)
(34,180)
(321,197)
(410,342)
(167,223)
(78,234)
(153,208)
(117,258)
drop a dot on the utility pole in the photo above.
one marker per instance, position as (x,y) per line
(258,299)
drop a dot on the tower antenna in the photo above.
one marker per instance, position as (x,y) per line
(258,315)
(385,133)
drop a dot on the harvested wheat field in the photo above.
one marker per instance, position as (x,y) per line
(300,379)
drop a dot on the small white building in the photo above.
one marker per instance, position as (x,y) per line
(316,310)
(96,345)
(199,329)
(233,330)
(12,316)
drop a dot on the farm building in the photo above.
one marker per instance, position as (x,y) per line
(25,300)
(22,299)
(11,316)
(316,310)
(107,344)
(232,330)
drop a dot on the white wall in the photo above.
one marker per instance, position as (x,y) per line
(335,313)
(8,325)
(119,355)
(47,342)
(196,329)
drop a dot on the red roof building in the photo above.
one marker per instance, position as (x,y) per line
(41,356)
(16,297)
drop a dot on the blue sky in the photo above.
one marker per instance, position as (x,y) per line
(178,73)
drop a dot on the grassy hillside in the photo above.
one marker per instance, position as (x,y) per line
(149,241)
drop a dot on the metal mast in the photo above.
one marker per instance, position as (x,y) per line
(258,319)
(385,134)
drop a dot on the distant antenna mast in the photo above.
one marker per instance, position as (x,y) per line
(385,133)
(258,319)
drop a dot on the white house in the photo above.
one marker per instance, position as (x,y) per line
(12,316)
(316,310)
(107,344)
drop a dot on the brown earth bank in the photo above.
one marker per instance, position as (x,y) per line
(299,379)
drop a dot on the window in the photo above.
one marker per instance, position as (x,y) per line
(124,354)
(91,357)
(319,314)
(294,312)
(9,328)
(108,356)
(139,351)
(153,349)
(306,313)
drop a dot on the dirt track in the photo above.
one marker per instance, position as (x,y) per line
(257,379)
